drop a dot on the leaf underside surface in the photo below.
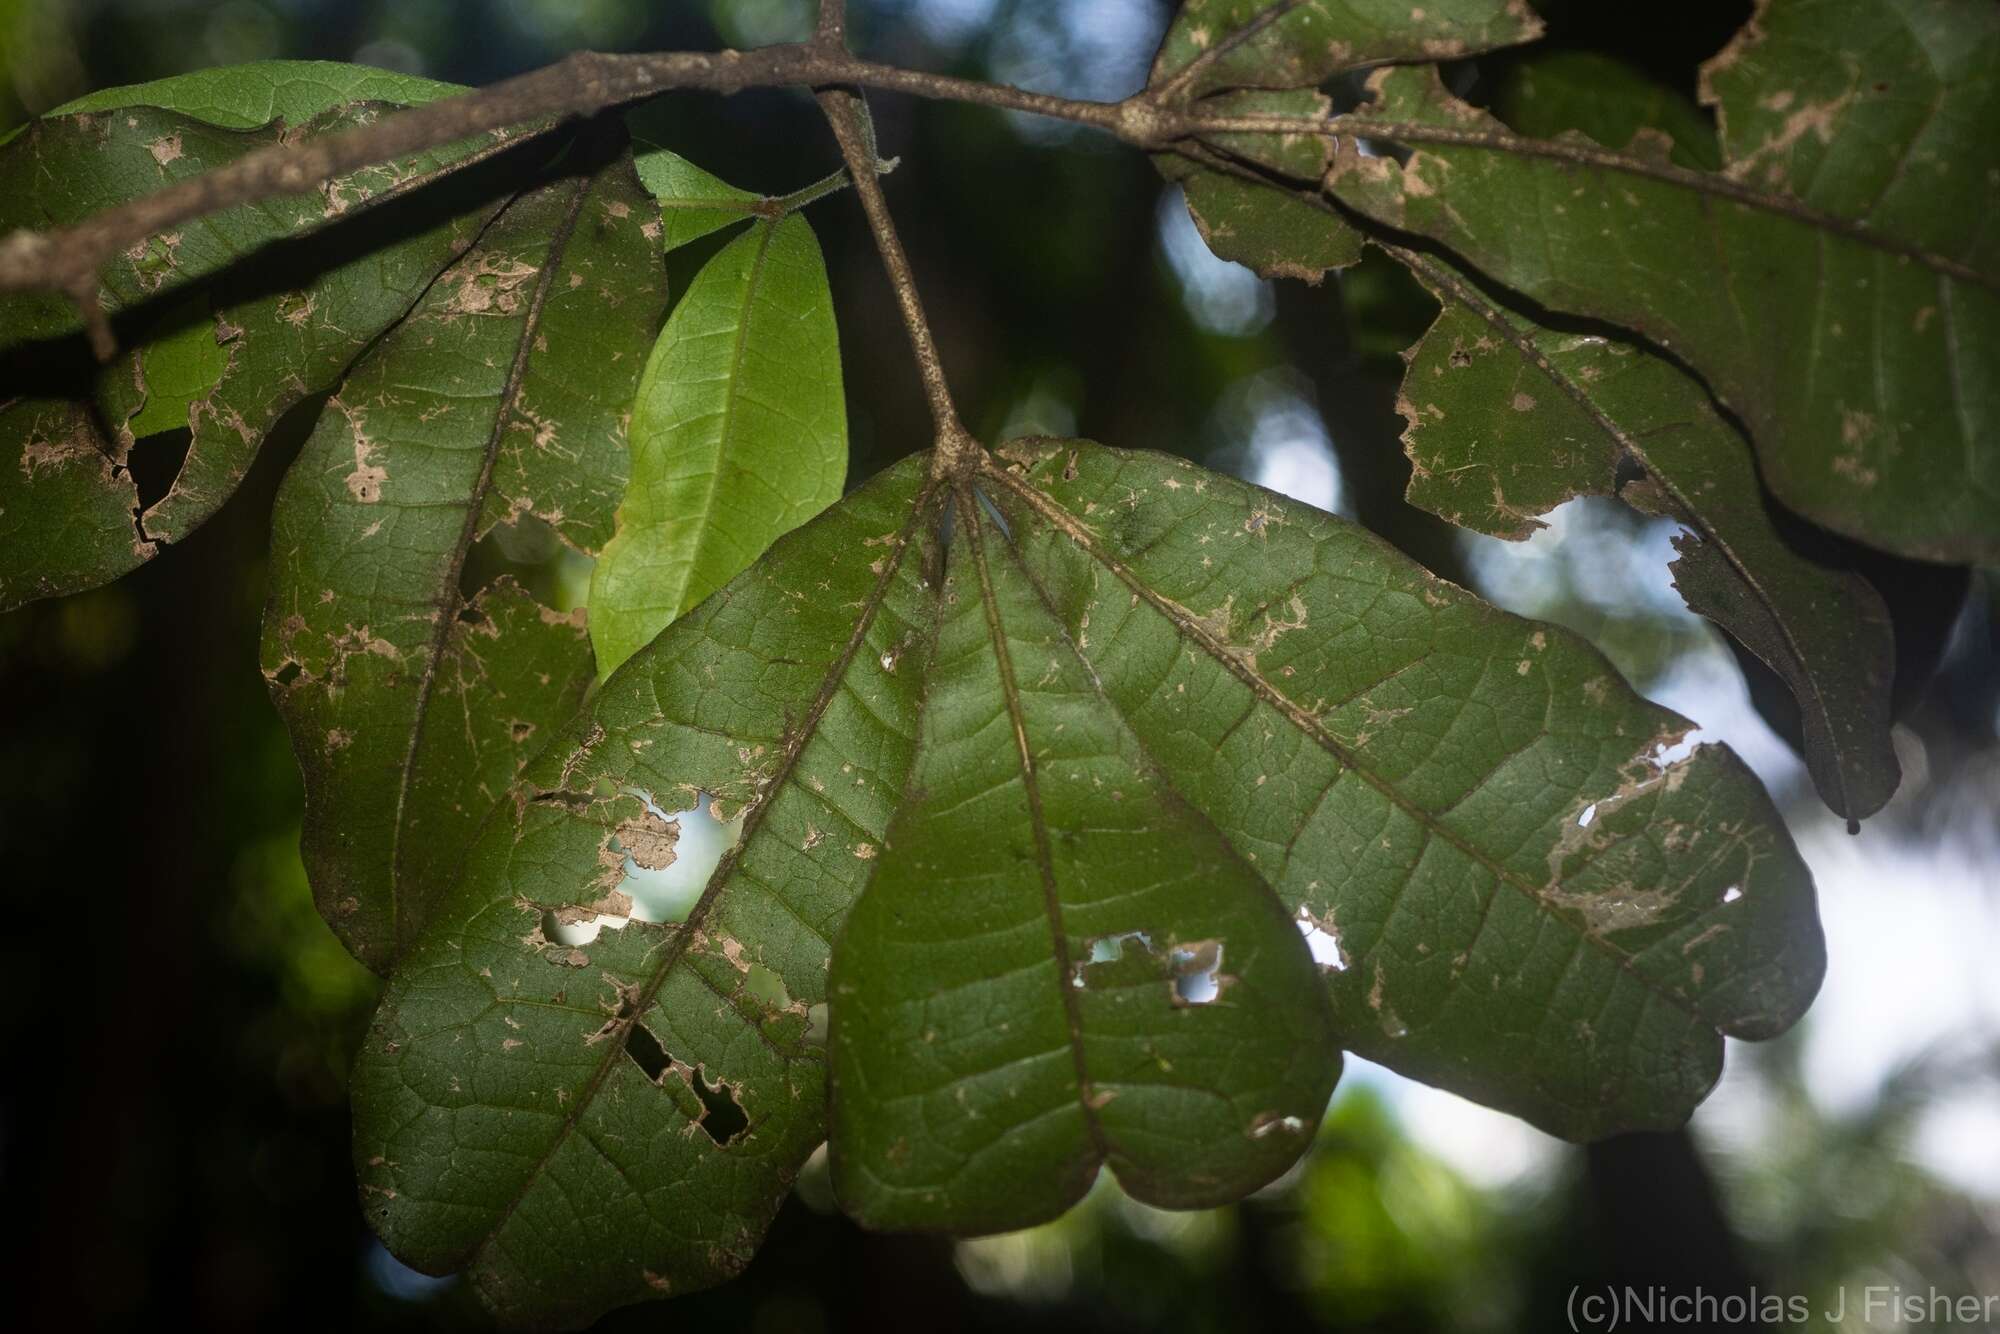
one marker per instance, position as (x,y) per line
(413,700)
(226,322)
(1268,57)
(1532,898)
(1837,284)
(1497,443)
(1086,804)
(1508,420)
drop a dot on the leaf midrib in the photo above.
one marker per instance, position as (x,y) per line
(1188,72)
(973,524)
(1582,154)
(450,601)
(1072,528)
(732,390)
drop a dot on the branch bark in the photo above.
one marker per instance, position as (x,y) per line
(69,260)
(848,116)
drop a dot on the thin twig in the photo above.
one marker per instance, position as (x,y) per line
(848,116)
(69,259)
(831,35)
(777,206)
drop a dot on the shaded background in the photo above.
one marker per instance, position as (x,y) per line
(173,1125)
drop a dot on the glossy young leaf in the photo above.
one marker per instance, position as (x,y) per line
(228,322)
(1520,891)
(1509,420)
(739,434)
(1847,323)
(1161,1013)
(413,701)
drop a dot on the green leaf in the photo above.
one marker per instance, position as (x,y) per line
(278,296)
(693,202)
(1298,43)
(1838,285)
(412,701)
(1545,93)
(182,367)
(739,434)
(1509,420)
(1281,45)
(244,97)
(1160,1010)
(1518,889)
(505,1124)
(1536,903)
(1277,232)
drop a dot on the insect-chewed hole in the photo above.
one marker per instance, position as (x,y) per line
(1108,949)
(528,551)
(573,934)
(993,513)
(722,1117)
(1197,972)
(646,1052)
(1322,942)
(668,894)
(155,463)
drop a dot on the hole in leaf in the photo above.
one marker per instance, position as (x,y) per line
(647,1053)
(669,893)
(1266,1125)
(1108,949)
(287,674)
(947,525)
(1733,893)
(573,934)
(1673,750)
(1321,941)
(721,1117)
(1197,972)
(1395,152)
(1589,814)
(528,551)
(155,462)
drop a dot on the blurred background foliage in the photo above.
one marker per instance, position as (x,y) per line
(173,1130)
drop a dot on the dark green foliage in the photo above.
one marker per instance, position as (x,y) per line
(1085,804)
